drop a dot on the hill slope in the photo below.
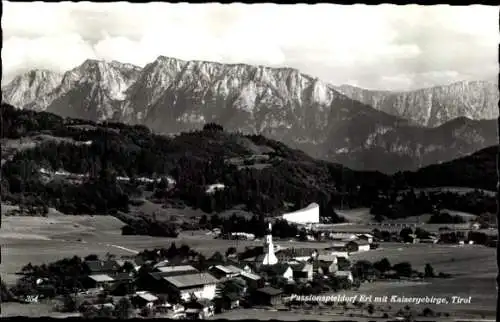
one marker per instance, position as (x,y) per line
(65,168)
(171,95)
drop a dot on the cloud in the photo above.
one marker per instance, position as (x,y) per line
(385,46)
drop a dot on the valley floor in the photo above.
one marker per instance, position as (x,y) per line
(42,240)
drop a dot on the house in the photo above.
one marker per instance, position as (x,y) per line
(201,285)
(228,301)
(325,266)
(98,281)
(268,296)
(302,272)
(342,236)
(345,274)
(278,270)
(339,246)
(366,237)
(101,267)
(300,254)
(123,284)
(144,299)
(136,262)
(253,281)
(225,271)
(243,266)
(339,254)
(162,263)
(172,311)
(361,245)
(199,309)
(343,264)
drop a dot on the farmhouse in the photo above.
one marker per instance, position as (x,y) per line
(299,254)
(253,281)
(144,299)
(101,267)
(345,274)
(200,309)
(361,245)
(123,283)
(278,270)
(225,272)
(268,296)
(302,272)
(339,254)
(343,236)
(325,264)
(99,281)
(201,285)
(366,237)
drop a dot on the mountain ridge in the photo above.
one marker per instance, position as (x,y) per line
(170,95)
(433,106)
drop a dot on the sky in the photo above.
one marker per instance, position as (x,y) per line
(383,47)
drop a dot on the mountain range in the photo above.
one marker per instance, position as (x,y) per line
(433,106)
(332,123)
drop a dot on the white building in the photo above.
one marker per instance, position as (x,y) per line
(307,215)
(366,237)
(201,285)
(270,257)
(346,274)
(215,187)
(340,254)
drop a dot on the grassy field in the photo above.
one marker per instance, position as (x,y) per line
(363,216)
(473,269)
(42,240)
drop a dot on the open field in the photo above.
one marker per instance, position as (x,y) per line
(473,268)
(362,216)
(312,315)
(459,190)
(41,240)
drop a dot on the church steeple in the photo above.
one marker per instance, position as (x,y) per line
(270,258)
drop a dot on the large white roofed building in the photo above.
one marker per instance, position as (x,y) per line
(307,215)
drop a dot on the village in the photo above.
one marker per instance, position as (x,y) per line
(179,283)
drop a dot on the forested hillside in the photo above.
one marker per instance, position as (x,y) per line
(263,175)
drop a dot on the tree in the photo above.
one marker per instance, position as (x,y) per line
(123,309)
(128,267)
(91,257)
(231,251)
(429,270)
(403,269)
(370,309)
(405,234)
(217,257)
(69,304)
(383,265)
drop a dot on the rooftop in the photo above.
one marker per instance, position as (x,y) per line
(189,280)
(251,276)
(270,291)
(101,278)
(180,268)
(99,266)
(228,269)
(147,296)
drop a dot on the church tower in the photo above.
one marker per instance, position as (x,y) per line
(270,258)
